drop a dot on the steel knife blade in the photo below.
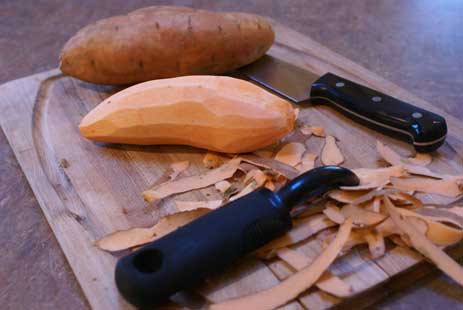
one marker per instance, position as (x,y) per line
(425,130)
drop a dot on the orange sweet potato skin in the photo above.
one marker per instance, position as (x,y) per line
(162,42)
(217,113)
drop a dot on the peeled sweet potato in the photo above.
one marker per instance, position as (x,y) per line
(163,42)
(217,113)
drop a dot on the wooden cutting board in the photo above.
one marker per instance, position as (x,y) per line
(87,190)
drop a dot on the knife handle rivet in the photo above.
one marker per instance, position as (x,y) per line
(339,84)
(376,99)
(417,115)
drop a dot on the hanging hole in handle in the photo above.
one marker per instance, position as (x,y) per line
(148,261)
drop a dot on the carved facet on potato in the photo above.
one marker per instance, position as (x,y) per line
(163,42)
(217,113)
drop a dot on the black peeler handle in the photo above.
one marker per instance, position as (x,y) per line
(210,243)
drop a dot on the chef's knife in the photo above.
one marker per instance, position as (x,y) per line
(183,258)
(388,115)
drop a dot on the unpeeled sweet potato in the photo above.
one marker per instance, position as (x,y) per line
(217,113)
(163,42)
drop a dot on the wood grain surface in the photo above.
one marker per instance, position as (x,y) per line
(415,43)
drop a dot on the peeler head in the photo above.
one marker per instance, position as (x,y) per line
(314,183)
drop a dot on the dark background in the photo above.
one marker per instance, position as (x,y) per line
(418,44)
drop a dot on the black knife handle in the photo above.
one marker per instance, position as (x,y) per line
(424,129)
(207,245)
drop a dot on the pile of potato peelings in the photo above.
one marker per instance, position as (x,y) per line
(382,206)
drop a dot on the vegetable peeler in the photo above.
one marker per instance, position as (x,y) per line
(186,256)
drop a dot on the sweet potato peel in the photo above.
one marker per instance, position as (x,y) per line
(405,197)
(291,153)
(270,185)
(386,228)
(333,213)
(388,154)
(307,162)
(424,245)
(245,167)
(397,239)
(334,285)
(125,239)
(302,229)
(318,131)
(359,197)
(178,168)
(393,158)
(257,175)
(442,215)
(364,214)
(447,187)
(246,190)
(421,159)
(269,163)
(264,153)
(254,179)
(355,238)
(368,175)
(313,130)
(193,205)
(362,217)
(438,233)
(374,205)
(212,160)
(347,196)
(331,154)
(369,186)
(376,244)
(222,186)
(371,195)
(296,113)
(328,282)
(295,259)
(375,178)
(293,286)
(192,182)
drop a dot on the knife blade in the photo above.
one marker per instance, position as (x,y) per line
(425,130)
(186,256)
